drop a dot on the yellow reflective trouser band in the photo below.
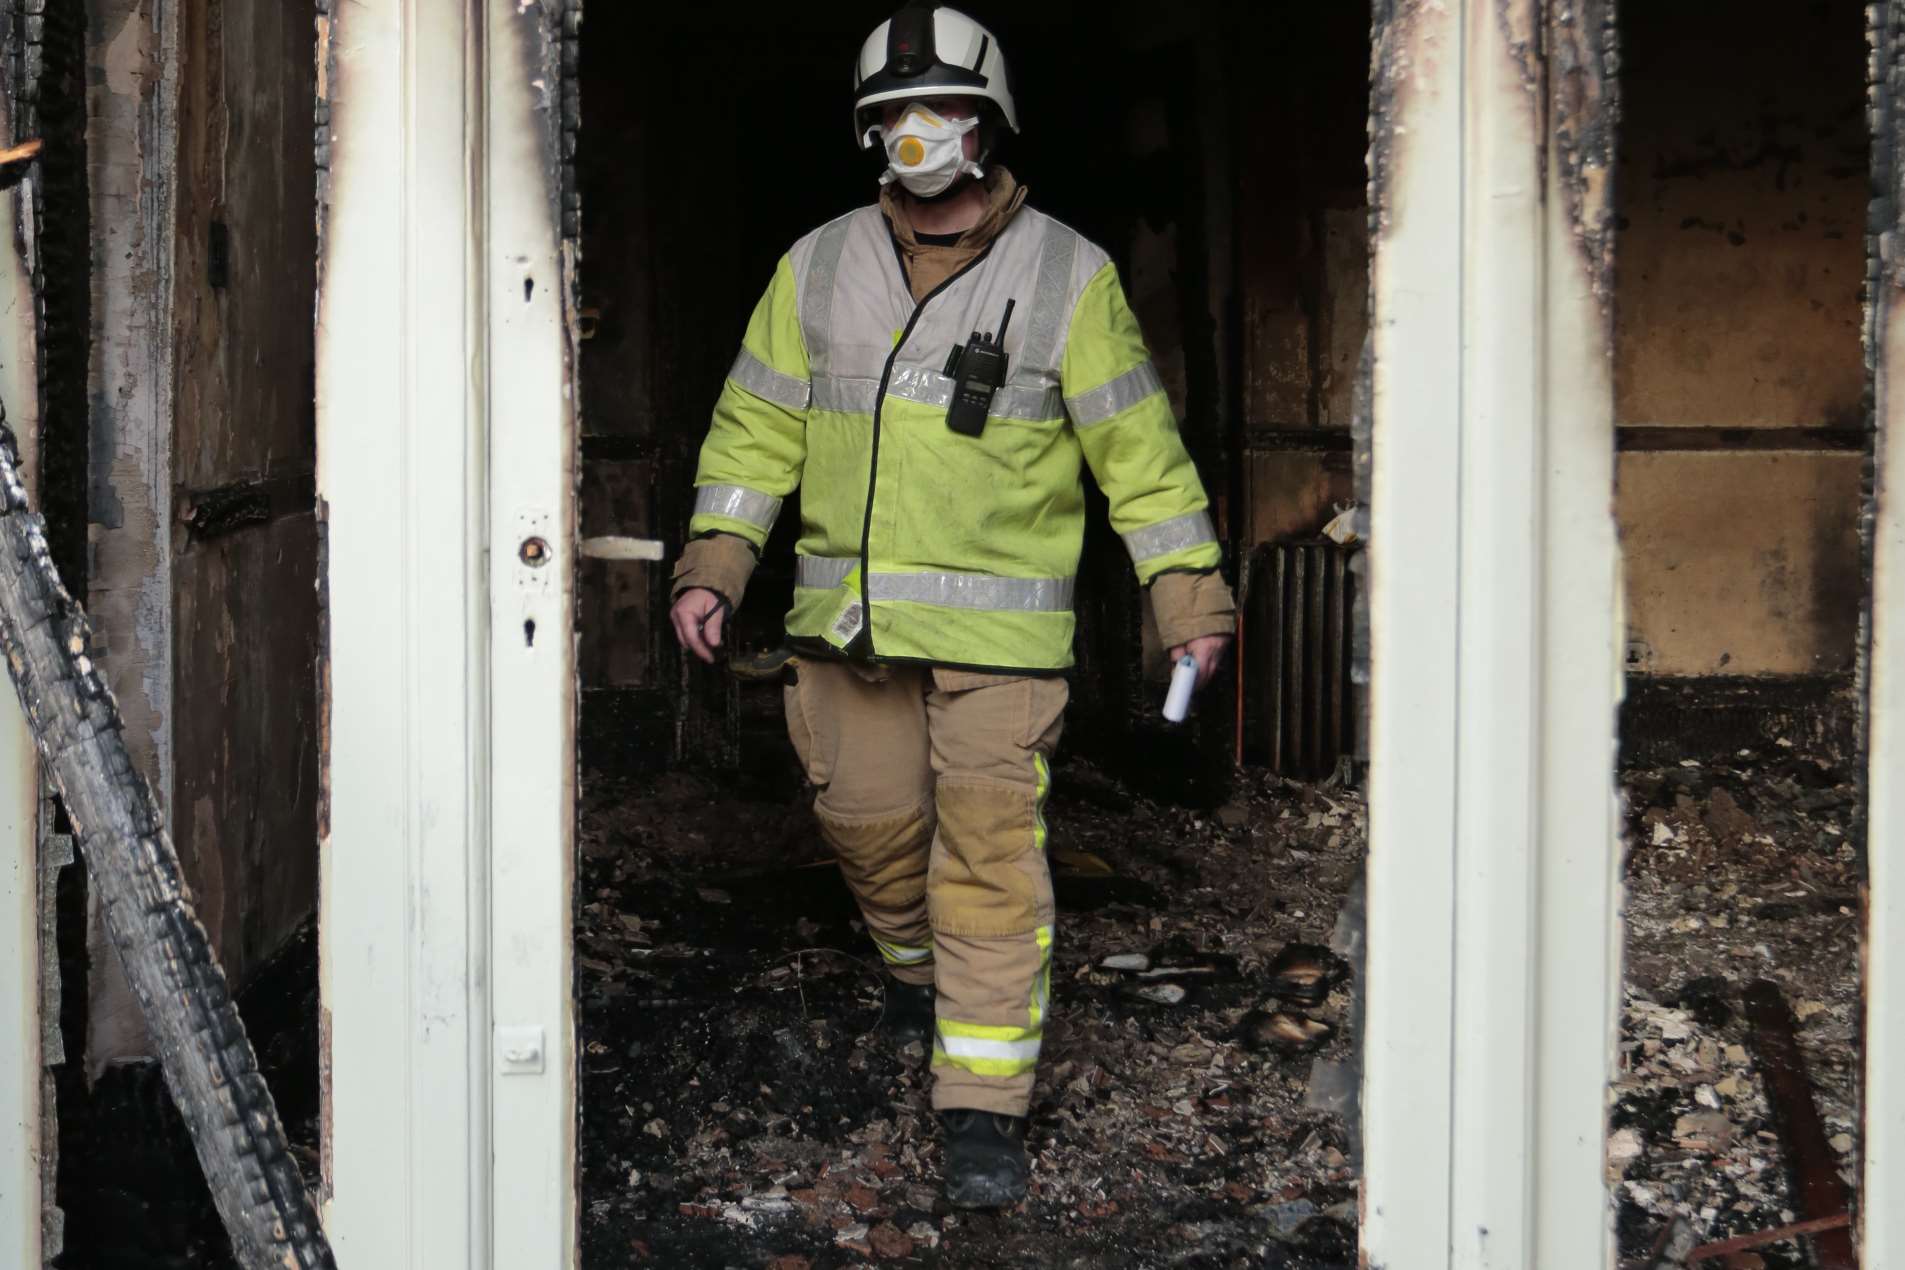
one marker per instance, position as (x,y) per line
(986,1051)
(1042,984)
(901,954)
(1038,803)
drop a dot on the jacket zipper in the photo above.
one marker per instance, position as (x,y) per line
(879,404)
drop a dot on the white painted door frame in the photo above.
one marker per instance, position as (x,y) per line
(445,442)
(1495,597)
(1881,1216)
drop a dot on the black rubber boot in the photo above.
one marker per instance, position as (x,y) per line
(909,1013)
(985,1159)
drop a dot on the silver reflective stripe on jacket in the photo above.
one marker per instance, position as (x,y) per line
(933,388)
(767,383)
(1167,536)
(853,297)
(947,590)
(974,591)
(847,396)
(1120,394)
(821,572)
(821,269)
(737,502)
(1053,297)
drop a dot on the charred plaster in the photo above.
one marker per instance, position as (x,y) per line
(1742,204)
(1737,363)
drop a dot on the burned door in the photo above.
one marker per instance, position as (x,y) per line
(243,537)
(446,432)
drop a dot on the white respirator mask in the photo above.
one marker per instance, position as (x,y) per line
(927,153)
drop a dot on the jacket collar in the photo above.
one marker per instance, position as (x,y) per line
(1004,197)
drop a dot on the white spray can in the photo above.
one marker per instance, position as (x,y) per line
(1177,702)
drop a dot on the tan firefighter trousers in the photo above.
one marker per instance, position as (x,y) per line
(932,790)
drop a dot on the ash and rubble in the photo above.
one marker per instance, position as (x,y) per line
(739,1108)
(1737,871)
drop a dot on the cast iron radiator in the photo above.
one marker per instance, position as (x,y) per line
(1299,714)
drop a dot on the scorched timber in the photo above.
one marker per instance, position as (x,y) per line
(208,1060)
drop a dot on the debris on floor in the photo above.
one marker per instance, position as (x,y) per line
(1737,873)
(739,1109)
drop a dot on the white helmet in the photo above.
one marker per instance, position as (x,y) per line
(927,50)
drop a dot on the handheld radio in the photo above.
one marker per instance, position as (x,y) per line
(977,369)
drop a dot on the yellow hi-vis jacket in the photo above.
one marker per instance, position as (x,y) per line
(920,544)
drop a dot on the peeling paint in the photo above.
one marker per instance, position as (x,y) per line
(1520,25)
(1584,112)
(1395,67)
(125,58)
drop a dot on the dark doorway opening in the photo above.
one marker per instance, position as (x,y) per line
(735,1106)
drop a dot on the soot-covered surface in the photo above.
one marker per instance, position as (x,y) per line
(739,1110)
(1739,870)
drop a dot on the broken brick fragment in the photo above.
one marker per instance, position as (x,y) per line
(890,1241)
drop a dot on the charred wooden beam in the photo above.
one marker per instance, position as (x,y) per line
(209,1064)
(1728,1248)
(1820,1191)
(1327,440)
(1854,440)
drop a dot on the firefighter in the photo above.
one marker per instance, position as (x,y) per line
(932,371)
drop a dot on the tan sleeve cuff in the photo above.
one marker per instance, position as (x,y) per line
(720,562)
(1192,604)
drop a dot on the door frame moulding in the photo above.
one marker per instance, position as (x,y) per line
(446,433)
(1882,1224)
(1493,972)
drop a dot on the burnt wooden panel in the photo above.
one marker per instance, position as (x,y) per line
(246,793)
(1302,247)
(244,534)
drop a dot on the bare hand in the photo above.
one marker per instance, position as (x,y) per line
(1209,651)
(699,616)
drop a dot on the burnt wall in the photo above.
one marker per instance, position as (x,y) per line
(243,539)
(1738,373)
(1303,259)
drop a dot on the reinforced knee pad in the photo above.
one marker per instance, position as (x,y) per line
(884,859)
(989,873)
